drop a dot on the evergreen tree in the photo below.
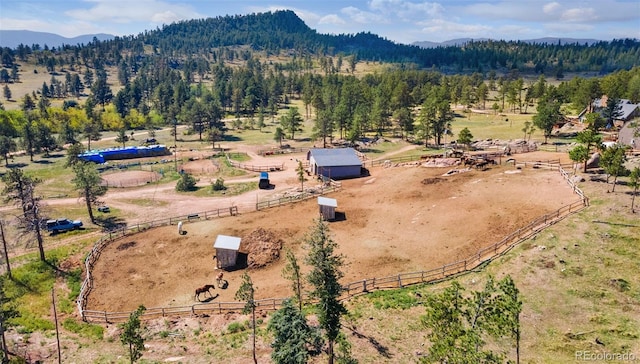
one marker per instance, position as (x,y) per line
(293,273)
(278,135)
(301,172)
(461,324)
(20,189)
(465,137)
(612,161)
(588,138)
(91,131)
(73,152)
(7,92)
(634,182)
(186,183)
(246,293)
(7,311)
(7,146)
(507,311)
(294,340)
(122,137)
(132,334)
(324,279)
(291,121)
(548,115)
(612,111)
(580,154)
(88,182)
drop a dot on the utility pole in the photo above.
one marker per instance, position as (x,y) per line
(175,144)
(55,317)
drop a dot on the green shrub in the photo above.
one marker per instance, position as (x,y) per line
(218,185)
(235,327)
(186,183)
(74,282)
(397,299)
(83,329)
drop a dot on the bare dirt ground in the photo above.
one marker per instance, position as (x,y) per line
(399,219)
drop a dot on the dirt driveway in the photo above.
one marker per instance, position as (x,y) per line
(399,219)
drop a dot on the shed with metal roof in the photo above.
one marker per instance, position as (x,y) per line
(335,163)
(227,248)
(327,207)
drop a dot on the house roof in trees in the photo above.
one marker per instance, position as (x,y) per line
(335,157)
(627,108)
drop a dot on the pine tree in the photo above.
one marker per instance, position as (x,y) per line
(324,278)
(634,182)
(20,189)
(300,173)
(132,334)
(88,182)
(294,340)
(246,293)
(293,273)
(612,161)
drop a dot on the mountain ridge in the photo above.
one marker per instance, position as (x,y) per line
(545,40)
(13,38)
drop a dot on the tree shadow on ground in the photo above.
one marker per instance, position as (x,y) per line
(110,223)
(381,349)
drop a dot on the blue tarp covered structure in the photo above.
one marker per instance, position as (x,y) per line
(103,155)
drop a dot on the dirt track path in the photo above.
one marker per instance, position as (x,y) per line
(151,202)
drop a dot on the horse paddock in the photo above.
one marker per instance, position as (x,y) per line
(130,178)
(399,219)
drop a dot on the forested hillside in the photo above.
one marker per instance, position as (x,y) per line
(198,72)
(283,31)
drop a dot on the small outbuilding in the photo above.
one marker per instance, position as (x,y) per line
(327,207)
(337,163)
(226,248)
(264,180)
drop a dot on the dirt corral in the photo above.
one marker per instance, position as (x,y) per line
(398,219)
(130,178)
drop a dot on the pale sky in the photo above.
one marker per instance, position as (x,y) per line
(397,20)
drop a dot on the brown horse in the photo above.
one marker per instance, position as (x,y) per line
(204,289)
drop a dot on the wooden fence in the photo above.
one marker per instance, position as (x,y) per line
(305,195)
(267,152)
(112,235)
(481,257)
(254,168)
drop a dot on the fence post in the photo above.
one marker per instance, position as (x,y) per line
(399,281)
(106,319)
(364,285)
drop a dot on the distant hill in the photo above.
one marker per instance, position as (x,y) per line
(547,40)
(13,38)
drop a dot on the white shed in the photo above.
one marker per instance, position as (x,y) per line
(327,207)
(226,250)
